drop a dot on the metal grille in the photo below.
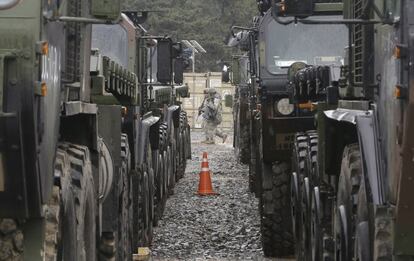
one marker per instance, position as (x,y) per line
(358,39)
(73,50)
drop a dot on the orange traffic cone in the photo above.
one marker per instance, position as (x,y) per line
(204,186)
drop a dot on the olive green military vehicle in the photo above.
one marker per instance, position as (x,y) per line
(86,157)
(238,74)
(275,52)
(351,186)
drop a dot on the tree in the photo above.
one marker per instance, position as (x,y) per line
(207,21)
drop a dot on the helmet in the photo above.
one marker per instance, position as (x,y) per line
(210,91)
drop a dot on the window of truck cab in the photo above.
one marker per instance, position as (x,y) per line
(313,44)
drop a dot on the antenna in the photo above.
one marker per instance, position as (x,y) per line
(189,45)
(198,46)
(195,48)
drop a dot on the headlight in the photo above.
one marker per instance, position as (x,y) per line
(284,107)
(5,4)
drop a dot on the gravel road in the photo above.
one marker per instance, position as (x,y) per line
(223,227)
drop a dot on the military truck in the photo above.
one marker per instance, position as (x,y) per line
(352,199)
(275,53)
(238,74)
(80,147)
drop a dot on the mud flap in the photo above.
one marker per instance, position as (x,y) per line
(144,131)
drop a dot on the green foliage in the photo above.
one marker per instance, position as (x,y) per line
(207,21)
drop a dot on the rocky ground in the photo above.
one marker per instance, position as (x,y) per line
(222,227)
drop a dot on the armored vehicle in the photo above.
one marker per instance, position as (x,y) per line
(351,186)
(275,53)
(83,154)
(238,75)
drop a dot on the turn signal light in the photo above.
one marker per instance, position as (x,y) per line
(43,89)
(400,51)
(307,106)
(397,52)
(45,48)
(400,92)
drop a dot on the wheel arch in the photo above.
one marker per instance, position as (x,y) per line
(344,127)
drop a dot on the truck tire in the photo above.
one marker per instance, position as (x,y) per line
(276,221)
(85,201)
(188,143)
(157,163)
(60,221)
(344,216)
(124,248)
(252,171)
(362,242)
(300,171)
(244,145)
(144,210)
(151,192)
(67,248)
(171,172)
(143,197)
(382,237)
(53,219)
(159,188)
(309,180)
(11,240)
(140,182)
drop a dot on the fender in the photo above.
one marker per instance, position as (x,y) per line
(367,129)
(173,116)
(145,125)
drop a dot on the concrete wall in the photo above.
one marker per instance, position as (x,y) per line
(197,82)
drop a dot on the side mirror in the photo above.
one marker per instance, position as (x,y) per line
(299,8)
(228,100)
(164,61)
(106,9)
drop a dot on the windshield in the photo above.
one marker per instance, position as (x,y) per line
(311,44)
(112,41)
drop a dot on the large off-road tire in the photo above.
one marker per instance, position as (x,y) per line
(171,173)
(143,207)
(11,240)
(85,201)
(150,192)
(346,202)
(276,220)
(244,144)
(188,143)
(140,184)
(150,230)
(376,245)
(67,249)
(52,226)
(160,189)
(124,246)
(383,236)
(298,199)
(162,183)
(308,181)
(362,242)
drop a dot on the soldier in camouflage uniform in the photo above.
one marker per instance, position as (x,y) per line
(211,111)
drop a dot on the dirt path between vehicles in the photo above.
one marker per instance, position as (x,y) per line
(223,227)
